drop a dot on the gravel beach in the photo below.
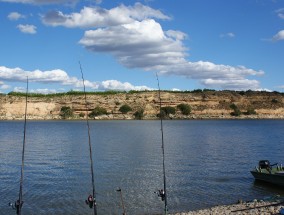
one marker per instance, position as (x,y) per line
(244,208)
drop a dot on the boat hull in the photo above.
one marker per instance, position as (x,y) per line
(273,178)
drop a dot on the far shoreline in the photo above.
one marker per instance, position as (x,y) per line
(129,118)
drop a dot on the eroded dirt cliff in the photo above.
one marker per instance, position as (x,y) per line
(208,104)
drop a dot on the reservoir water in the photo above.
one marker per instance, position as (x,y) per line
(207,164)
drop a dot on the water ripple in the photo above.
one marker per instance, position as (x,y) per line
(207,163)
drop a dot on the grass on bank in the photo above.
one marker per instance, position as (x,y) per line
(115,92)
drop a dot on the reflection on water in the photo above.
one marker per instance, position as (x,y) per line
(207,163)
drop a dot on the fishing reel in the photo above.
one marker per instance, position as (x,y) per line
(16,206)
(161,193)
(90,201)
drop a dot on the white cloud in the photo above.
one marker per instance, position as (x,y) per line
(117,85)
(15,16)
(40,91)
(41,2)
(228,35)
(99,17)
(217,76)
(28,29)
(145,45)
(19,89)
(178,35)
(43,91)
(237,84)
(58,76)
(4,86)
(52,76)
(278,36)
(138,44)
(136,40)
(280,13)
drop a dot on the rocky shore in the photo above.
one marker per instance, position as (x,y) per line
(203,105)
(243,208)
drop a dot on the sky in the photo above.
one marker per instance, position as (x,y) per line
(122,45)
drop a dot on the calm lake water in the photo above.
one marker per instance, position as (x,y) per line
(207,163)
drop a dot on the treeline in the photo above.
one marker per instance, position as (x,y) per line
(114,92)
(108,92)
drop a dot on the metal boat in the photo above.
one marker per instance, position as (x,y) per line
(273,174)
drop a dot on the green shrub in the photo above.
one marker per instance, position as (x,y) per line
(81,115)
(125,109)
(236,110)
(66,112)
(233,106)
(208,90)
(97,112)
(168,110)
(250,111)
(162,114)
(197,91)
(184,108)
(139,114)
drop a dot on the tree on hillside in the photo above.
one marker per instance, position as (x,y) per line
(166,111)
(139,114)
(236,110)
(66,112)
(125,109)
(169,110)
(97,111)
(250,111)
(184,108)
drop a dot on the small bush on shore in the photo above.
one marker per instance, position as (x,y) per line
(162,114)
(184,108)
(250,111)
(169,110)
(97,111)
(125,109)
(236,110)
(166,111)
(66,112)
(139,114)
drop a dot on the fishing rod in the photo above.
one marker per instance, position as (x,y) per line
(91,199)
(261,206)
(19,203)
(162,193)
(121,198)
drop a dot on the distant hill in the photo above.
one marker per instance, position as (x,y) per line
(204,104)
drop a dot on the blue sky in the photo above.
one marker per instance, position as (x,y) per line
(121,45)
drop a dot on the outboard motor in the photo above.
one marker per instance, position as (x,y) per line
(264,164)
